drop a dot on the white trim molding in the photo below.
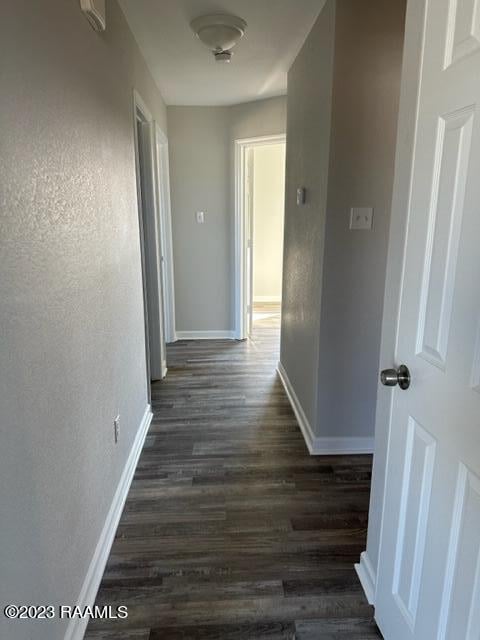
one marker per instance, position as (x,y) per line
(150,238)
(139,102)
(367,577)
(166,241)
(241,241)
(302,420)
(88,592)
(319,446)
(343,446)
(205,335)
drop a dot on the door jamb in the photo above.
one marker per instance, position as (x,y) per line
(240,267)
(166,244)
(142,113)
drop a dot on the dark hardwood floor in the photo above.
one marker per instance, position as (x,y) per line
(231,531)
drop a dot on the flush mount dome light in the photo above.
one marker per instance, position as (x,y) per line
(220,33)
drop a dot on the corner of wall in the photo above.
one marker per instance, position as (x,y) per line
(308,151)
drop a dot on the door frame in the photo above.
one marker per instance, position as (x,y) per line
(153,315)
(241,275)
(166,243)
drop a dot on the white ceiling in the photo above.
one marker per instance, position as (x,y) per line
(185,70)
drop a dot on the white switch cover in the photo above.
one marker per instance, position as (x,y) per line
(361,218)
(200,216)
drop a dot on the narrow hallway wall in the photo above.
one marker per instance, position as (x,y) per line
(308,141)
(72,347)
(201,146)
(342,119)
(199,181)
(366,93)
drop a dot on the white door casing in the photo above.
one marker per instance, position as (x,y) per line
(149,222)
(153,270)
(243,267)
(166,243)
(428,578)
(249,199)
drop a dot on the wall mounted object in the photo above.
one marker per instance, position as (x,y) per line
(361,218)
(301,196)
(94,11)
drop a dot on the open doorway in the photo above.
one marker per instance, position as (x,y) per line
(260,205)
(154,228)
(268,205)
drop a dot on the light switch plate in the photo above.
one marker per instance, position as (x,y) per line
(361,218)
(200,217)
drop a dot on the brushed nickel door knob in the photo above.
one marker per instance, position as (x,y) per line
(392,377)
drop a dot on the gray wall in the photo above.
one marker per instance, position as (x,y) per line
(199,181)
(201,144)
(260,118)
(334,278)
(308,136)
(72,336)
(366,87)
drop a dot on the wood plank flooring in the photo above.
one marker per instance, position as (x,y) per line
(231,531)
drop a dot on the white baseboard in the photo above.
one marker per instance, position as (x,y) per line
(205,335)
(319,446)
(303,423)
(343,446)
(367,577)
(88,593)
(276,299)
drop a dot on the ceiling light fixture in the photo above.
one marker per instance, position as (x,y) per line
(220,33)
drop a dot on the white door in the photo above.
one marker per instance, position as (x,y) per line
(428,582)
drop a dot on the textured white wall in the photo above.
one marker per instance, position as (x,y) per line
(72,333)
(259,118)
(201,144)
(268,213)
(199,181)
(308,135)
(342,121)
(366,88)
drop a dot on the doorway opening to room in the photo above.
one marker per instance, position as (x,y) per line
(260,209)
(151,158)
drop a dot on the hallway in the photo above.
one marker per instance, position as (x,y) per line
(231,530)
